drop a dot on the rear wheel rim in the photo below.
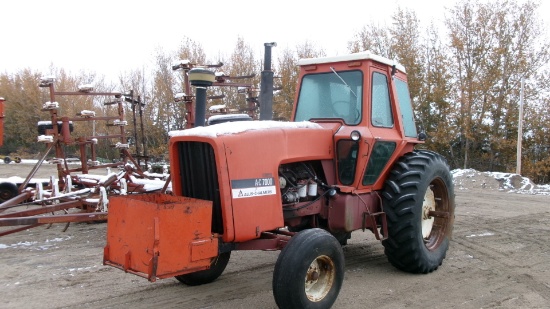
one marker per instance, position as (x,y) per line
(427,220)
(435,228)
(320,278)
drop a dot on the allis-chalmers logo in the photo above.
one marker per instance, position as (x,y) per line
(254,187)
(256,192)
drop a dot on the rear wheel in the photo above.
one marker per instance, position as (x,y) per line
(7,160)
(309,271)
(207,275)
(419,203)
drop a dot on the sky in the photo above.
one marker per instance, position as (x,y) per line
(117,36)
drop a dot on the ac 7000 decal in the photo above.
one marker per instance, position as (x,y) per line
(243,188)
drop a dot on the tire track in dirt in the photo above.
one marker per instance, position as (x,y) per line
(504,234)
(508,269)
(234,284)
(171,293)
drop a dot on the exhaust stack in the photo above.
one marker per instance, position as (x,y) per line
(266,86)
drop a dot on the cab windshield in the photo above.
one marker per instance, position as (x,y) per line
(331,95)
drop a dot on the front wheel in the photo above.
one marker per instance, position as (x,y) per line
(208,275)
(309,271)
(418,200)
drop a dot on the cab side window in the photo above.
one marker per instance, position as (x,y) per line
(381,107)
(405,106)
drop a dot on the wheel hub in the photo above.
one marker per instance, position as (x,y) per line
(319,278)
(427,206)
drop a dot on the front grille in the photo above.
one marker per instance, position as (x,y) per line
(199,177)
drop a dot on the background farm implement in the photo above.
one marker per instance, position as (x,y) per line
(75,195)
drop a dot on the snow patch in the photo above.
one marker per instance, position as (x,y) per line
(239,127)
(465,179)
(481,235)
(216,107)
(35,245)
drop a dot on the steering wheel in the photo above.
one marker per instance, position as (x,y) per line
(339,106)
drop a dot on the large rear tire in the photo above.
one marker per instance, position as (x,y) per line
(207,275)
(418,200)
(309,271)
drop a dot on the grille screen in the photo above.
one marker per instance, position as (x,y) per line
(199,177)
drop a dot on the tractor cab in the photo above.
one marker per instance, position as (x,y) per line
(367,97)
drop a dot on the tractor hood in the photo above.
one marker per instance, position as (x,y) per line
(250,148)
(237,127)
(259,140)
(236,164)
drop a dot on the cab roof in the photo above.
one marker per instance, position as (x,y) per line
(366,55)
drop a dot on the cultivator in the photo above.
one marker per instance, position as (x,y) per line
(218,113)
(77,194)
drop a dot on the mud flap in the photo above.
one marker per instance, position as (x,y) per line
(159,235)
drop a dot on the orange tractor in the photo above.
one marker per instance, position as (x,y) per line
(346,162)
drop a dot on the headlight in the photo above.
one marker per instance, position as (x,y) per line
(355,135)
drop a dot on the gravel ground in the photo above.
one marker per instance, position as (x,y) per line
(499,258)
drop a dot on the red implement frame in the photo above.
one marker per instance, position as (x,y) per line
(91,203)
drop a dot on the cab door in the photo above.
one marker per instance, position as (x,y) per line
(384,126)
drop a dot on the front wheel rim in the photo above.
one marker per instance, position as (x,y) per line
(320,278)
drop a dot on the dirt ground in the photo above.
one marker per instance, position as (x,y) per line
(499,258)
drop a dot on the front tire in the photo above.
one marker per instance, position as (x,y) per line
(309,271)
(208,275)
(418,200)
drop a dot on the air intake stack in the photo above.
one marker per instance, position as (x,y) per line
(201,79)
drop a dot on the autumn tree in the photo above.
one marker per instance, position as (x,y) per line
(427,69)
(286,72)
(494,45)
(22,111)
(434,110)
(191,51)
(536,141)
(241,62)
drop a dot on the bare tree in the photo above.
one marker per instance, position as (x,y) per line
(374,38)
